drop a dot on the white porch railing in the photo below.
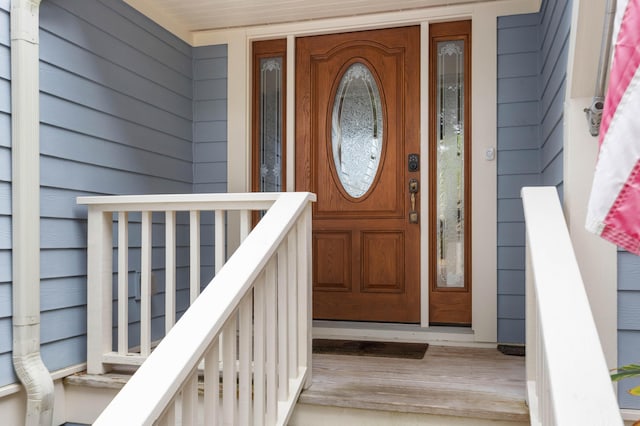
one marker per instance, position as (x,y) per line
(567,377)
(255,315)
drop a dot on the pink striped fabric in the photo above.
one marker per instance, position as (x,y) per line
(614,206)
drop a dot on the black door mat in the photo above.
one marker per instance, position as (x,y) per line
(514,350)
(367,348)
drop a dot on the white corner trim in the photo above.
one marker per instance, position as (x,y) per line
(484,256)
(160,17)
(424,174)
(601,277)
(587,18)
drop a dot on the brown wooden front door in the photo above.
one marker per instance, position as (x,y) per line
(355,158)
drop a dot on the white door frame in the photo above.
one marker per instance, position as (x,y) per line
(483,134)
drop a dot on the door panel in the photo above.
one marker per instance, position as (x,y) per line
(366,252)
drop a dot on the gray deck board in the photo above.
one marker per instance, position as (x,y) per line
(464,382)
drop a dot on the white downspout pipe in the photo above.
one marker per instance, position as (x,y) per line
(25,146)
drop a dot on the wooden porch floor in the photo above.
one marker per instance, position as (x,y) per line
(454,381)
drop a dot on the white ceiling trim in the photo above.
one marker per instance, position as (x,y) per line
(151,10)
(366,22)
(194,22)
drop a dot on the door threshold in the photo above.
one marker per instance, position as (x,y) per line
(390,332)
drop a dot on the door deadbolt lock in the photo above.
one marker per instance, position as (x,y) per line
(413,162)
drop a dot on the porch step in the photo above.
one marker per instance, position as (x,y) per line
(450,385)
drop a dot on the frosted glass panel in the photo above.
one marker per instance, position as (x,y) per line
(450,164)
(270,124)
(356,130)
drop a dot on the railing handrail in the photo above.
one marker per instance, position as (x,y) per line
(149,390)
(181,202)
(560,326)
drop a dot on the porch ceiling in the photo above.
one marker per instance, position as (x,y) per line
(198,15)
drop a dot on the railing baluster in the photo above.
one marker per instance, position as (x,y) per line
(170,270)
(169,416)
(220,239)
(229,356)
(292,335)
(271,341)
(212,384)
(245,224)
(194,255)
(244,354)
(145,285)
(283,323)
(123,283)
(190,400)
(259,328)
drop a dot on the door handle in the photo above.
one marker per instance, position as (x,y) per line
(414,187)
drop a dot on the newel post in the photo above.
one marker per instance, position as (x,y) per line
(99,288)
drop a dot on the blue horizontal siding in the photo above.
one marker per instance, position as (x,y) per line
(146,24)
(73,117)
(628,350)
(518,40)
(210,118)
(518,144)
(5,266)
(63,353)
(5,129)
(5,299)
(518,89)
(556,25)
(5,62)
(5,96)
(61,203)
(87,94)
(81,148)
(5,232)
(88,177)
(7,375)
(132,54)
(5,335)
(628,271)
(532,56)
(60,293)
(6,366)
(117,118)
(125,25)
(518,64)
(511,282)
(628,322)
(112,75)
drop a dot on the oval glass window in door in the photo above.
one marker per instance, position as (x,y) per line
(357,130)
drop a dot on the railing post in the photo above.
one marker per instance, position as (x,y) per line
(531,338)
(305,313)
(99,288)
(567,377)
